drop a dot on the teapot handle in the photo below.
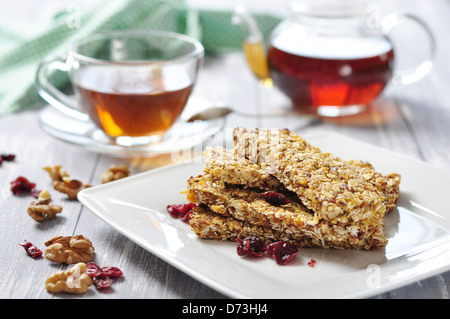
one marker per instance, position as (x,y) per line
(412,75)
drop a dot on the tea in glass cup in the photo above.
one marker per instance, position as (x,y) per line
(132,84)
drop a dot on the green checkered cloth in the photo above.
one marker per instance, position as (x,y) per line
(19,57)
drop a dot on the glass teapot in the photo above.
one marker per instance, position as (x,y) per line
(330,58)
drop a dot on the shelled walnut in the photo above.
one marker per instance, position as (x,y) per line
(41,208)
(63,183)
(70,187)
(69,249)
(56,172)
(115,172)
(75,280)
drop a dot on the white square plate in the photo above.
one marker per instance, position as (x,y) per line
(418,232)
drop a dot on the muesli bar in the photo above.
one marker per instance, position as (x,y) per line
(208,225)
(292,219)
(325,183)
(232,168)
(387,184)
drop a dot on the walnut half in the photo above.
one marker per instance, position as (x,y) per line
(41,208)
(114,173)
(75,280)
(63,183)
(56,172)
(70,187)
(69,249)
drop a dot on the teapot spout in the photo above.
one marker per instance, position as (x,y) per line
(253,45)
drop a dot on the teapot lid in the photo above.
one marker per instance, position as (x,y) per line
(329,8)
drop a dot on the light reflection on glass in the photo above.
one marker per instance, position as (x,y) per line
(412,234)
(165,234)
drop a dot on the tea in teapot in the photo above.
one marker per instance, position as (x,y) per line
(339,75)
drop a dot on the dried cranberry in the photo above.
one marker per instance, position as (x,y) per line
(275,198)
(251,246)
(102,282)
(93,270)
(112,272)
(22,185)
(101,277)
(282,251)
(175,210)
(31,250)
(187,216)
(181,211)
(8,157)
(312,263)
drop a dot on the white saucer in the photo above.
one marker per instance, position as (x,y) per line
(182,136)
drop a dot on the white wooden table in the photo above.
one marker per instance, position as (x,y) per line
(412,120)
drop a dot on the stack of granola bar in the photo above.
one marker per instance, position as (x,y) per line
(327,201)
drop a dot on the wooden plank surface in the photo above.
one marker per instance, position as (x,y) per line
(412,120)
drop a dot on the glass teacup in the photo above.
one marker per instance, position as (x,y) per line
(132,84)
